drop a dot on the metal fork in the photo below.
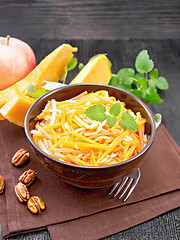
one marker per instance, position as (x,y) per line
(132,179)
(126,185)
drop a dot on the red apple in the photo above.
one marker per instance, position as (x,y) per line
(17,60)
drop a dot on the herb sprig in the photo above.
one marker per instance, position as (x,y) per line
(70,66)
(145,83)
(98,112)
(36,93)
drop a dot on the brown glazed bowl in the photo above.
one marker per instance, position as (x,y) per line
(85,176)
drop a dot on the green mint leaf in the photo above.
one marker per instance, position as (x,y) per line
(138,93)
(152,97)
(152,83)
(64,74)
(154,74)
(162,83)
(126,75)
(114,81)
(71,64)
(125,87)
(115,109)
(111,120)
(31,88)
(81,66)
(38,93)
(96,112)
(128,122)
(144,92)
(143,64)
(139,75)
(142,83)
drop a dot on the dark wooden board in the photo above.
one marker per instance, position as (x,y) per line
(123,19)
(120,28)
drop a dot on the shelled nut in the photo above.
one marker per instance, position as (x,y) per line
(28,177)
(2,184)
(20,157)
(22,192)
(35,204)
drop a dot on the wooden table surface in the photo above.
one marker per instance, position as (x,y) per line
(121,29)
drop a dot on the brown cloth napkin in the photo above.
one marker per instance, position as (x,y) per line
(73,213)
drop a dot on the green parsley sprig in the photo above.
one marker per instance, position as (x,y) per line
(98,112)
(145,83)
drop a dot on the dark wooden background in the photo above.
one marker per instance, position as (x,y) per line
(121,29)
(91,19)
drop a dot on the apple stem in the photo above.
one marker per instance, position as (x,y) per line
(8,38)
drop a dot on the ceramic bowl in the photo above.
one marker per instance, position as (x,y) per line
(85,176)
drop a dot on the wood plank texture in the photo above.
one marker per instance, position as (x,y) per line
(120,28)
(123,19)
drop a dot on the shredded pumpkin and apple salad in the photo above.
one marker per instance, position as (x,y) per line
(91,129)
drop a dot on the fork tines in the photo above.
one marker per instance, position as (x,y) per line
(126,185)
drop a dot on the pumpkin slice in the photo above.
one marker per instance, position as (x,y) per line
(3,100)
(16,108)
(95,71)
(49,69)
(2,117)
(52,66)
